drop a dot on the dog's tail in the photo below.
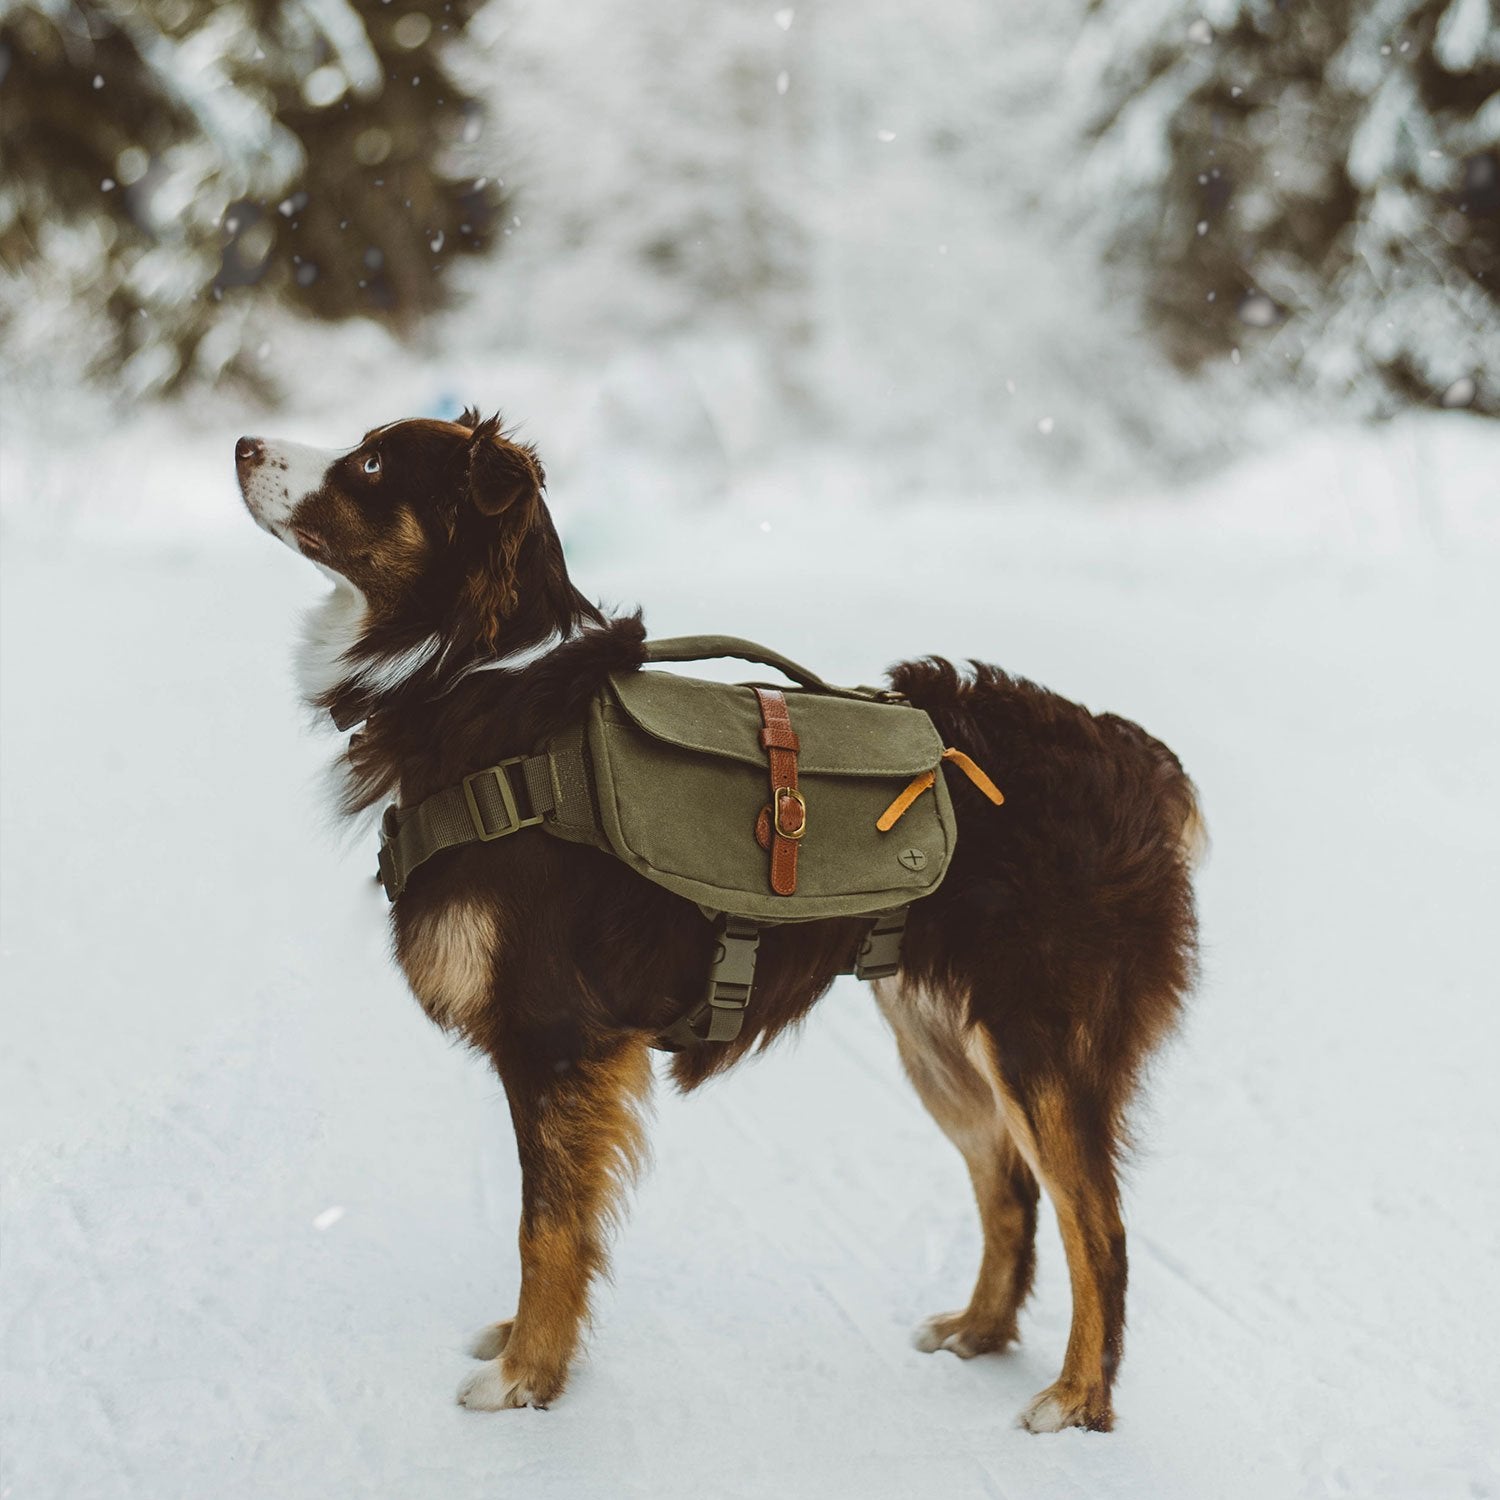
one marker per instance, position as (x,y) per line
(1182,812)
(1182,809)
(1193,837)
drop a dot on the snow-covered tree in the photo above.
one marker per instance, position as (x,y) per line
(650,143)
(170,165)
(831,218)
(1317,186)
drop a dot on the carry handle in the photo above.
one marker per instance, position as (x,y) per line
(702,647)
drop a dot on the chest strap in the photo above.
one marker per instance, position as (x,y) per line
(499,800)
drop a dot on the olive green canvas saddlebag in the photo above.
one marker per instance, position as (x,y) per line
(681,779)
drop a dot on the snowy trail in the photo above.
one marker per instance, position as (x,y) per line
(206,1049)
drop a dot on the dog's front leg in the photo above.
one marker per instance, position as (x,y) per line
(580,1138)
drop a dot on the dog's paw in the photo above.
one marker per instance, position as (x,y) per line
(1061,1406)
(959,1335)
(490,1341)
(491,1388)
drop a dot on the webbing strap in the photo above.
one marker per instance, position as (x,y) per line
(719,1016)
(880,953)
(499,800)
(571,781)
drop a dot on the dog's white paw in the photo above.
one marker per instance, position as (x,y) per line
(1058,1407)
(941,1333)
(490,1342)
(953,1332)
(490,1389)
(1045,1414)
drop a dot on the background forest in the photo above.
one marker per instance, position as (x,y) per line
(1002,238)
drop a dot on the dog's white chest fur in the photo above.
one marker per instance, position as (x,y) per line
(330,631)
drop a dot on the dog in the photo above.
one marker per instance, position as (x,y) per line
(1034,983)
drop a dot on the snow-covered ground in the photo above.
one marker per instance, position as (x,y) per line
(254,1203)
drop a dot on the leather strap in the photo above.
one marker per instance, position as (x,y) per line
(919,784)
(909,794)
(788,811)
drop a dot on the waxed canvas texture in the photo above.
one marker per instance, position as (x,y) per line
(681,777)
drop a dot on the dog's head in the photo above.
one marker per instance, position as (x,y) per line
(439,527)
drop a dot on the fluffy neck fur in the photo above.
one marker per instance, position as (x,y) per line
(428,696)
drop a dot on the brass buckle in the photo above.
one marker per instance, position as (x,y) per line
(796,796)
(513,819)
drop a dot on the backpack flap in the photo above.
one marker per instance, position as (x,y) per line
(680,773)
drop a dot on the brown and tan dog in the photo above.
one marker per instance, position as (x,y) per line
(1051,961)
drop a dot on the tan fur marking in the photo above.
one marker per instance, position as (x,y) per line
(1085,1353)
(981,1052)
(449,957)
(588,1148)
(555,1273)
(410,541)
(1194,837)
(1048,1142)
(930,1038)
(945,1059)
(397,556)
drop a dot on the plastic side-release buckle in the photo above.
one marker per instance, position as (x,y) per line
(719,1016)
(880,953)
(731,977)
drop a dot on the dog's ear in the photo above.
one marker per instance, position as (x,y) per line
(504,484)
(502,474)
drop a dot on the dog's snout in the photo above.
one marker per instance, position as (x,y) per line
(249,450)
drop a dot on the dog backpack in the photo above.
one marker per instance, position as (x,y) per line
(760,804)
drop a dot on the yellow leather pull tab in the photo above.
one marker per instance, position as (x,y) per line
(975,775)
(909,794)
(919,784)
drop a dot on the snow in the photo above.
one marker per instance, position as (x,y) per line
(255,1205)
(1463,36)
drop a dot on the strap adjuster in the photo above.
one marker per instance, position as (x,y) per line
(732,972)
(880,953)
(508,804)
(719,1016)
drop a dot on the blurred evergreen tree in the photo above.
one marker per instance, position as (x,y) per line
(170,164)
(1316,183)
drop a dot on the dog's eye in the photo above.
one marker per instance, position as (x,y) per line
(372,464)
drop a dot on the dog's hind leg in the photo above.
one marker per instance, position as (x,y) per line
(1067,1133)
(580,1139)
(936,1047)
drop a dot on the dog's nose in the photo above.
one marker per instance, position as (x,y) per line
(249,450)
